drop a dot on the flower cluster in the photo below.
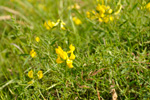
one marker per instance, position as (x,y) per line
(103,13)
(32,53)
(146,6)
(37,39)
(50,25)
(63,56)
(30,75)
(76,20)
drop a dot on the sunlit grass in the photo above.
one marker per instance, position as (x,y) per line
(67,49)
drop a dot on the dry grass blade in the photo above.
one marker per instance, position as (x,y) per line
(6,17)
(96,72)
(84,86)
(114,94)
(17,47)
(15,13)
(98,93)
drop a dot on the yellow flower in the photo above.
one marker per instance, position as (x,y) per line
(64,55)
(72,48)
(77,21)
(30,74)
(106,19)
(37,39)
(107,7)
(31,82)
(49,25)
(32,53)
(72,56)
(102,15)
(69,63)
(88,14)
(40,74)
(61,53)
(100,8)
(100,20)
(62,24)
(111,18)
(58,60)
(110,11)
(148,6)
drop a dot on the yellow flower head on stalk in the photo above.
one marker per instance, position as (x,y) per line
(40,74)
(148,6)
(30,74)
(77,21)
(37,39)
(58,60)
(69,63)
(72,48)
(106,19)
(100,20)
(62,55)
(62,24)
(32,53)
(49,25)
(103,13)
(110,11)
(100,8)
(88,14)
(72,56)
(111,18)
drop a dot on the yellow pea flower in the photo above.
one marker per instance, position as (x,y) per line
(72,48)
(37,39)
(30,74)
(100,20)
(111,18)
(100,8)
(148,6)
(110,11)
(72,56)
(58,60)
(32,53)
(61,53)
(107,7)
(40,74)
(77,21)
(88,14)
(62,24)
(49,25)
(69,63)
(106,19)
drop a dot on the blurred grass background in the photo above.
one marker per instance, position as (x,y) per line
(109,56)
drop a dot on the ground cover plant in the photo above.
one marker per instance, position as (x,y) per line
(75,49)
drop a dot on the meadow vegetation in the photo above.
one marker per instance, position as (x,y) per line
(74,49)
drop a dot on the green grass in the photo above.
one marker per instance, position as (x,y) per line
(113,55)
